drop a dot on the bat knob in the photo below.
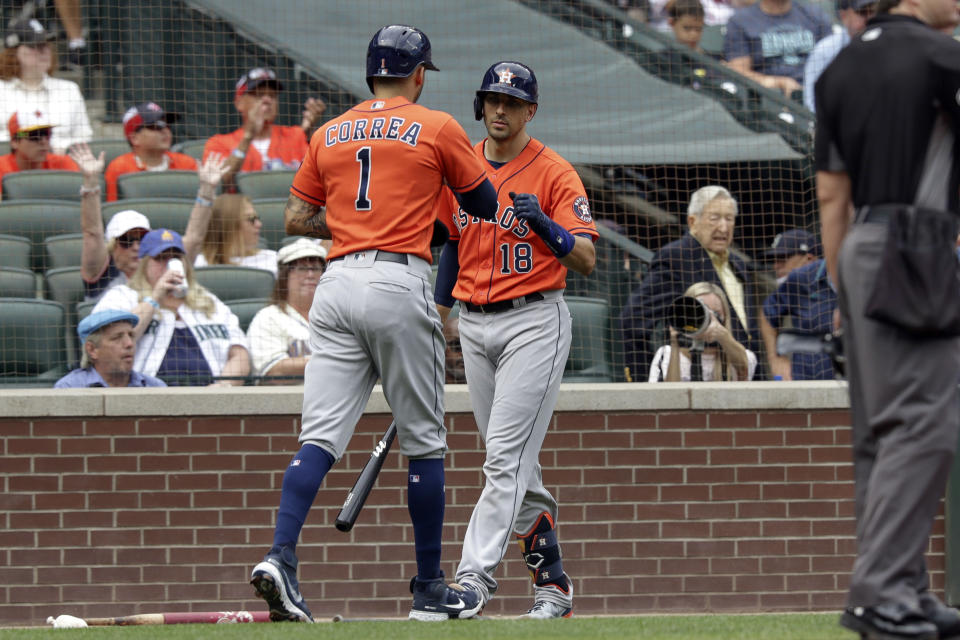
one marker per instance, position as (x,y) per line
(338,618)
(343,526)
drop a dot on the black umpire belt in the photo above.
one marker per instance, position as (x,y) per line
(383,256)
(503,305)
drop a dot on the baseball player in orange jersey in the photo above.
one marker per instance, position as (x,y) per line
(509,275)
(377,169)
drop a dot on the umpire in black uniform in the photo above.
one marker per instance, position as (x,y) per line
(888,121)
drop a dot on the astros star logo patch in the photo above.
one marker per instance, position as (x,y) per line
(581,209)
(506,76)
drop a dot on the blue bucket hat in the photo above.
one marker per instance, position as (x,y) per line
(96,321)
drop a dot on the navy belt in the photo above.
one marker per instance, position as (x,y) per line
(876,214)
(383,256)
(503,305)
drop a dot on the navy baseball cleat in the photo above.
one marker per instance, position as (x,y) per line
(435,601)
(275,580)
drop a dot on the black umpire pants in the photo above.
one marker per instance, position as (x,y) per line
(906,416)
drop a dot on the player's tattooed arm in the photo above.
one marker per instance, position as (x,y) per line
(302,218)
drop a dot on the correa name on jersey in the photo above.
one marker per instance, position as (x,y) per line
(506,219)
(373,129)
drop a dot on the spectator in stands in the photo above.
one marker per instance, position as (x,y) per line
(853,15)
(112,258)
(455,372)
(70,14)
(260,144)
(26,85)
(30,145)
(716,13)
(108,347)
(804,302)
(686,20)
(716,354)
(279,334)
(701,255)
(185,334)
(234,236)
(791,249)
(638,10)
(769,42)
(146,127)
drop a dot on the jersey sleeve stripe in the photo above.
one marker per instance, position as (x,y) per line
(470,185)
(307,197)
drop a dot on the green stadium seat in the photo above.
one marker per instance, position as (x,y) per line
(65,286)
(588,361)
(270,211)
(15,251)
(246,308)
(111,147)
(192,148)
(265,184)
(37,219)
(158,184)
(42,184)
(163,213)
(17,283)
(712,39)
(84,308)
(64,250)
(231,283)
(32,350)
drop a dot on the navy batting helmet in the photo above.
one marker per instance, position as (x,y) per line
(512,78)
(395,51)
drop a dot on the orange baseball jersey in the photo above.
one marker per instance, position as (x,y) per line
(8,163)
(504,259)
(379,169)
(287,148)
(129,163)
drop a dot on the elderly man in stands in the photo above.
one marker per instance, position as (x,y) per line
(702,255)
(108,349)
(260,144)
(147,129)
(30,145)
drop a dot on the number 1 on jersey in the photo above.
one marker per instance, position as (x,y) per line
(363,157)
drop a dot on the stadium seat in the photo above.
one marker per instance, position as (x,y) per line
(14,251)
(265,184)
(246,308)
(231,283)
(111,147)
(158,184)
(37,219)
(163,213)
(270,211)
(192,148)
(17,283)
(65,286)
(84,308)
(32,351)
(588,360)
(64,250)
(42,184)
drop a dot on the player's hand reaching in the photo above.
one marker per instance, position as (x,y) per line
(89,164)
(526,206)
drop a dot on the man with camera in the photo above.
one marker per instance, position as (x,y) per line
(702,255)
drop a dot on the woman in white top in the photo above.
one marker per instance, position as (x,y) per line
(234,234)
(722,358)
(25,65)
(279,335)
(185,334)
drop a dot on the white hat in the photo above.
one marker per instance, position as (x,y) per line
(123,221)
(301,248)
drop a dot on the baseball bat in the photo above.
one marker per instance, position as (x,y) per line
(361,488)
(191,617)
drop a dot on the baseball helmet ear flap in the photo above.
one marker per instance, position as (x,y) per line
(478,106)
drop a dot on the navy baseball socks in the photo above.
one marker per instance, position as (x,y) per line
(553,587)
(433,599)
(275,579)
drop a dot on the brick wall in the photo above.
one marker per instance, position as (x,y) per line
(661,511)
